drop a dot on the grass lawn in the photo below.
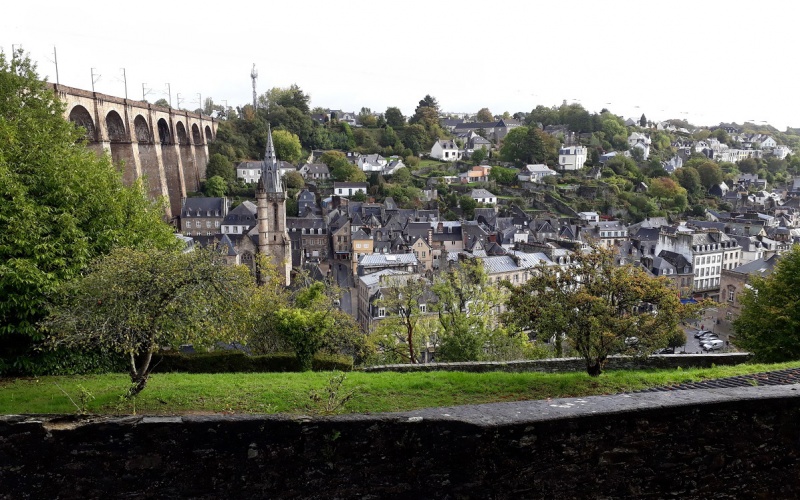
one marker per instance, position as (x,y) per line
(179,393)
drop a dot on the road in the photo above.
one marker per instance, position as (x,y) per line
(345,280)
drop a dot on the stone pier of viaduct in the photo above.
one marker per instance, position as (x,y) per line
(167,146)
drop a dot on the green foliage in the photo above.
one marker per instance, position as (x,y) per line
(479,156)
(294,180)
(769,323)
(221,166)
(215,187)
(332,399)
(503,175)
(484,115)
(287,146)
(596,305)
(394,117)
(62,206)
(134,302)
(467,308)
(239,362)
(527,145)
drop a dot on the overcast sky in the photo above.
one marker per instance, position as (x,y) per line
(705,61)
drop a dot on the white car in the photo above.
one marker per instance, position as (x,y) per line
(712,345)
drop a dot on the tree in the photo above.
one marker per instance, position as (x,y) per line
(484,115)
(394,117)
(503,175)
(479,155)
(287,97)
(689,179)
(775,297)
(162,102)
(219,165)
(215,187)
(287,146)
(402,176)
(467,307)
(710,174)
(643,121)
(664,187)
(294,180)
(415,137)
(427,102)
(468,206)
(598,307)
(62,206)
(407,328)
(524,145)
(135,302)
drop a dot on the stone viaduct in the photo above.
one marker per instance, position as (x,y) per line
(168,146)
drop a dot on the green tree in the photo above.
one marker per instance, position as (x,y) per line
(219,165)
(468,206)
(503,175)
(134,302)
(484,115)
(216,187)
(525,145)
(294,180)
(415,137)
(394,117)
(774,297)
(689,178)
(287,97)
(62,206)
(664,187)
(402,176)
(407,328)
(598,307)
(467,307)
(710,174)
(287,146)
(643,121)
(478,156)
(313,322)
(162,102)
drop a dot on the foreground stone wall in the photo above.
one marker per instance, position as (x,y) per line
(562,365)
(727,443)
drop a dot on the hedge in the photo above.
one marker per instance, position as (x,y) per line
(237,361)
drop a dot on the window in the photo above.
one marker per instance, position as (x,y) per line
(731,293)
(188,224)
(208,224)
(216,223)
(381,312)
(423,308)
(197,224)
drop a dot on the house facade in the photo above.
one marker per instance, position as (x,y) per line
(571,157)
(446,150)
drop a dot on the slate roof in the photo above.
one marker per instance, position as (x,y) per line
(203,207)
(243,214)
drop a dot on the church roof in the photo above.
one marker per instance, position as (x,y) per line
(270,168)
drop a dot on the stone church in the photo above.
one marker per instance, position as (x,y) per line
(273,239)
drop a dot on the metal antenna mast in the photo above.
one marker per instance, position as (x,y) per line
(254,76)
(95,79)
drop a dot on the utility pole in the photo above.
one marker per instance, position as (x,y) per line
(169,94)
(125,81)
(95,79)
(145,92)
(254,76)
(55,59)
(200,102)
(178,99)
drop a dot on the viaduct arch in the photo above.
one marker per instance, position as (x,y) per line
(168,146)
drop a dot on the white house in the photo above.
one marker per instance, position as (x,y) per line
(535,173)
(349,188)
(589,216)
(781,152)
(445,149)
(571,157)
(372,163)
(640,141)
(483,196)
(250,171)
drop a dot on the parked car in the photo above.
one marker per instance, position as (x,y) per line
(707,337)
(665,350)
(631,341)
(700,333)
(712,345)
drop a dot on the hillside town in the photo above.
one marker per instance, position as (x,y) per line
(340,231)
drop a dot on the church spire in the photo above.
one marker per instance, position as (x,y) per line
(270,170)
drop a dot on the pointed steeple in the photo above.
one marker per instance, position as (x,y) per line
(270,170)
